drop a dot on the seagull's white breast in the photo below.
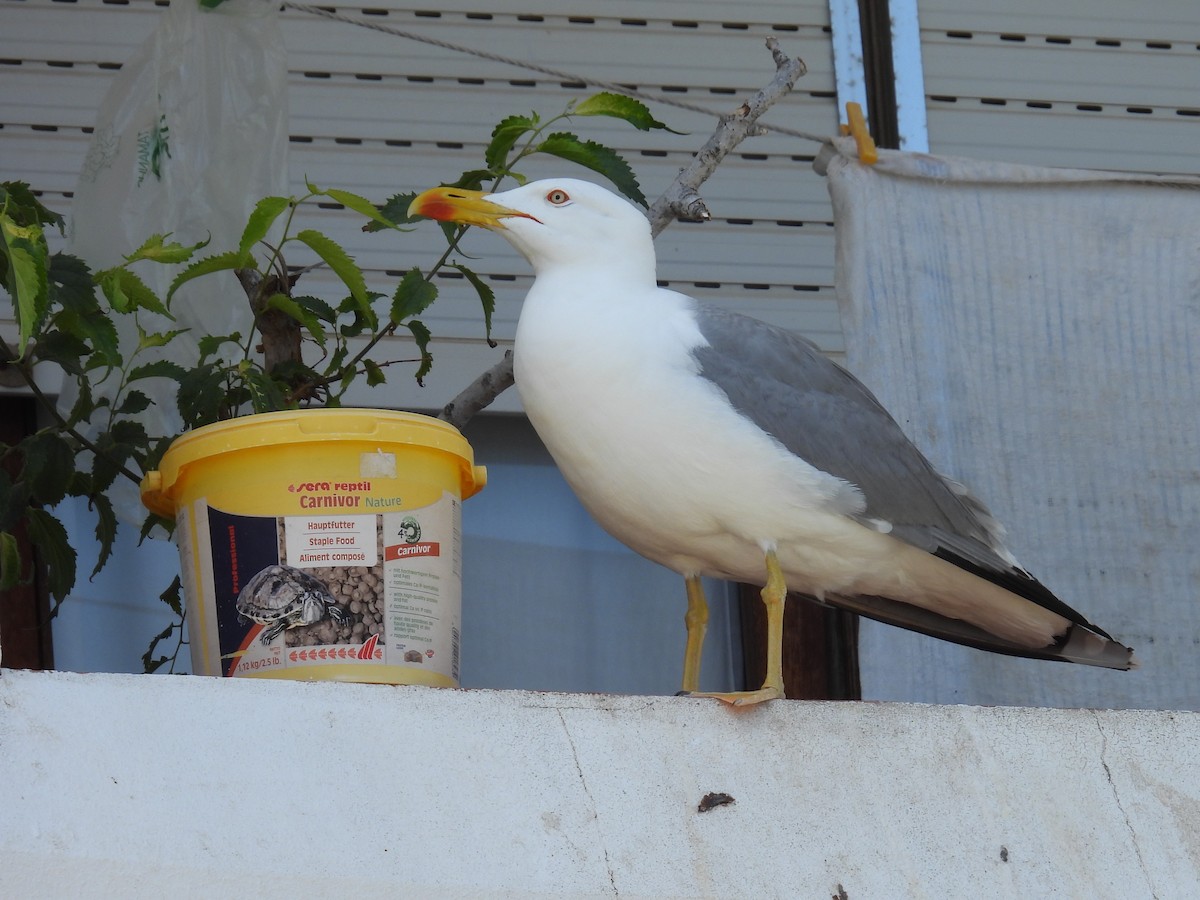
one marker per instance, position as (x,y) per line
(655,451)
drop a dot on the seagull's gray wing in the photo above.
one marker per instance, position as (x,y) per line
(822,413)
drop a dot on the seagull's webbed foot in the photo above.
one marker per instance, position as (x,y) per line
(773,596)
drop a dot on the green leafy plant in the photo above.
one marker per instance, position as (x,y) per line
(303,350)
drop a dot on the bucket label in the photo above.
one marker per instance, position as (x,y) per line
(306,591)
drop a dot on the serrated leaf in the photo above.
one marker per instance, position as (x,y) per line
(17,199)
(318,308)
(413,296)
(338,260)
(363,207)
(25,275)
(71,285)
(156,249)
(210,344)
(97,330)
(150,664)
(596,157)
(504,136)
(161,368)
(10,561)
(47,534)
(126,292)
(395,210)
(375,374)
(618,106)
(63,348)
(147,339)
(134,403)
(487,298)
(172,596)
(49,465)
(266,211)
(422,336)
(222,262)
(201,396)
(106,529)
(265,395)
(14,498)
(295,311)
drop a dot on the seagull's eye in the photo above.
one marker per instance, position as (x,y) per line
(558,197)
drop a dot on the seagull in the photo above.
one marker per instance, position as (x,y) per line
(718,445)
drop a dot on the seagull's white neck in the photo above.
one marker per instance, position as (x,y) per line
(633,266)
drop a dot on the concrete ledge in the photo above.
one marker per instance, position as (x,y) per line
(145,786)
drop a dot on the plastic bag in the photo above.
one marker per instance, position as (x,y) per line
(192,133)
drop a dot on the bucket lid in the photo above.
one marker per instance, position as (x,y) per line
(307,426)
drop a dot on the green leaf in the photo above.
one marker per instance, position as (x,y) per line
(596,157)
(160,368)
(318,307)
(413,296)
(211,344)
(126,292)
(150,664)
(201,396)
(504,136)
(134,403)
(632,111)
(487,298)
(222,262)
(171,596)
(337,259)
(295,311)
(394,210)
(375,374)
(18,200)
(156,249)
(14,498)
(71,284)
(96,329)
(147,339)
(421,334)
(63,348)
(106,529)
(24,249)
(363,207)
(265,395)
(49,465)
(365,318)
(266,211)
(47,534)
(10,562)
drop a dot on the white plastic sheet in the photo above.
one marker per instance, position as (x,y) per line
(192,133)
(1037,333)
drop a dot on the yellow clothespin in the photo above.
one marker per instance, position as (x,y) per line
(867,151)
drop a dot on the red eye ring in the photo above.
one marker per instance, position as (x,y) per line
(558,197)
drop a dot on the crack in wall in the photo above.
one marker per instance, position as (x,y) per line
(591,802)
(1117,799)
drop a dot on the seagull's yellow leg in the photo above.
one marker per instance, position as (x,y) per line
(774,595)
(696,619)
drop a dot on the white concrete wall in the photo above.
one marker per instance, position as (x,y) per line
(143,786)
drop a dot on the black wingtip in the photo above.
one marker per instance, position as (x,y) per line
(1085,645)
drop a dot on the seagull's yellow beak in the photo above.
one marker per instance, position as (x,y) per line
(451,204)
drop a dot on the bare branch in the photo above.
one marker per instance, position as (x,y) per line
(681,200)
(480,393)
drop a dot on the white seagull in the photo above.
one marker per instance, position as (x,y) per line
(718,445)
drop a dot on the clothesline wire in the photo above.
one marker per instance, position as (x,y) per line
(561,76)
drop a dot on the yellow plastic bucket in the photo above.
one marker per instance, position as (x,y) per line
(321,544)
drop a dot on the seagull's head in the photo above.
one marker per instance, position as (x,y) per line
(554,222)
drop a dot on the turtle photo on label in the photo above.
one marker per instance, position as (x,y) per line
(283,597)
